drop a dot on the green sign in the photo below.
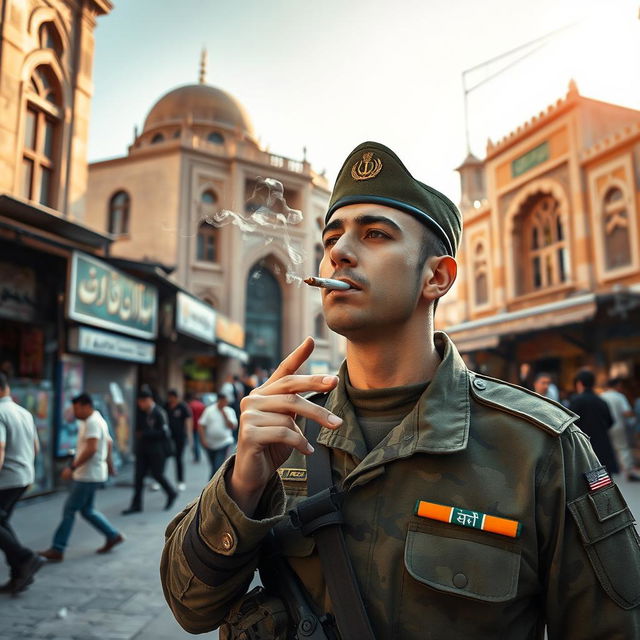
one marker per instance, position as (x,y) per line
(536,156)
(105,297)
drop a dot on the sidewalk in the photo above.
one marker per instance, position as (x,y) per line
(116,596)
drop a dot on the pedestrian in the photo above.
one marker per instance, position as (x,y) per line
(228,389)
(621,412)
(217,424)
(88,471)
(181,427)
(153,445)
(541,384)
(197,407)
(595,418)
(18,448)
(415,498)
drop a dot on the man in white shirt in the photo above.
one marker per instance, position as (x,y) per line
(18,448)
(621,411)
(89,470)
(216,427)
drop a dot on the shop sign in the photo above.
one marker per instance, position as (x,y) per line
(110,345)
(105,297)
(195,318)
(230,351)
(229,331)
(532,158)
(17,292)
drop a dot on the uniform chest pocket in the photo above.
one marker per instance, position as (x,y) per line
(463,564)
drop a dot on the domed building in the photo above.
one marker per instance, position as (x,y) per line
(196,159)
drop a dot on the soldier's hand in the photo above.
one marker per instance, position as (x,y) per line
(268,432)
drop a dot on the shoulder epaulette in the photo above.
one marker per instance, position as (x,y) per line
(542,412)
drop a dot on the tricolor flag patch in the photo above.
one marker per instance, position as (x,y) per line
(598,478)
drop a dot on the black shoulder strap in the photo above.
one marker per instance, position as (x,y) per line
(320,515)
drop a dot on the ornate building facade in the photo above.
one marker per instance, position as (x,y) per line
(196,159)
(550,262)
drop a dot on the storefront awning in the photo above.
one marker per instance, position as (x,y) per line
(44,219)
(225,349)
(485,333)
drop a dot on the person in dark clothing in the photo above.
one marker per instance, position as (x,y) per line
(180,424)
(595,418)
(152,440)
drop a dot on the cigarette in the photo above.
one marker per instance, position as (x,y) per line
(328,283)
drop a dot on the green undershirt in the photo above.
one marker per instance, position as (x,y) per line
(380,410)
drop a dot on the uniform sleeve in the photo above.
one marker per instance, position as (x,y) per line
(211,552)
(589,549)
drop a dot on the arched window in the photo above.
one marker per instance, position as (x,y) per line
(119,207)
(615,227)
(50,38)
(216,138)
(157,138)
(209,197)
(41,136)
(545,250)
(481,284)
(176,133)
(207,250)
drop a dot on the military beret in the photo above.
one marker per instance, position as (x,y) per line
(372,173)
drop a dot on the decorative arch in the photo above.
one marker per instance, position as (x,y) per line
(45,57)
(119,213)
(41,15)
(614,216)
(516,271)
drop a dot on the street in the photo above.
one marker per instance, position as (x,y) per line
(116,596)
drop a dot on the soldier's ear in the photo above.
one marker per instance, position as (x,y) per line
(439,275)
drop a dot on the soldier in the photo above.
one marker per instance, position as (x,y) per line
(472,508)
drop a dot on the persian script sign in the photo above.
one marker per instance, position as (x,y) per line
(536,156)
(105,297)
(195,318)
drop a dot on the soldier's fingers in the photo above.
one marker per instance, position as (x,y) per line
(256,418)
(297,383)
(265,436)
(294,360)
(292,404)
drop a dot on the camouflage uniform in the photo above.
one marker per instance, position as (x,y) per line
(471,442)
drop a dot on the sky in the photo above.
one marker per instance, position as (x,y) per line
(331,74)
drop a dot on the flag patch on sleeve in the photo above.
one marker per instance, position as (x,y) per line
(598,478)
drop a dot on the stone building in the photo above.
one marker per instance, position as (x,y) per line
(46,59)
(550,260)
(196,158)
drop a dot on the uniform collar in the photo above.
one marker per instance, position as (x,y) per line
(439,423)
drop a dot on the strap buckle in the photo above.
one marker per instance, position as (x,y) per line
(319,510)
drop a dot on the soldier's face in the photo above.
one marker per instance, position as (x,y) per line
(376,249)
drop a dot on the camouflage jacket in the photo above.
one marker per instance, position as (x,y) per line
(471,442)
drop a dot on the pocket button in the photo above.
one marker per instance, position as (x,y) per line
(460,580)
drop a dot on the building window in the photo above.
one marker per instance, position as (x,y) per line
(216,138)
(50,38)
(41,137)
(318,255)
(119,207)
(209,197)
(157,138)
(615,227)
(480,281)
(207,243)
(545,245)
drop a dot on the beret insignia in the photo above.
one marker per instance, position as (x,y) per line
(367,168)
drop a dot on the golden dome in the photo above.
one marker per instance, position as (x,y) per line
(201,104)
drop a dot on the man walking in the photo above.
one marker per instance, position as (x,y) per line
(414,498)
(217,425)
(197,407)
(180,425)
(88,471)
(595,418)
(153,442)
(621,412)
(18,448)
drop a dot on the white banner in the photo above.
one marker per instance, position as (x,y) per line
(110,345)
(195,318)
